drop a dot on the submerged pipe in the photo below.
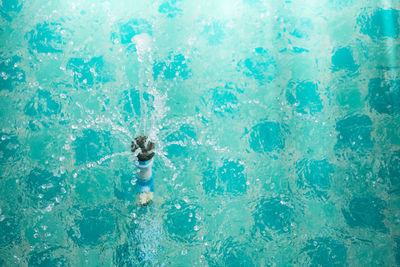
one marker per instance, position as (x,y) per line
(143,149)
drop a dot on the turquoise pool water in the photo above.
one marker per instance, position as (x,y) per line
(277,126)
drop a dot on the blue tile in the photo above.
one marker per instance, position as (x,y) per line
(43,105)
(91,146)
(273,215)
(380,24)
(223,101)
(232,175)
(305,97)
(214,32)
(84,71)
(176,66)
(133,27)
(96,225)
(9,8)
(316,174)
(8,146)
(390,171)
(354,133)
(180,222)
(9,231)
(46,38)
(47,258)
(384,96)
(366,212)
(266,137)
(343,59)
(229,178)
(325,251)
(10,73)
(169,7)
(260,65)
(229,253)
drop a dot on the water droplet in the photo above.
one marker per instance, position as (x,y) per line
(49,207)
(177,206)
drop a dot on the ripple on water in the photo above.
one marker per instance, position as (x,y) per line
(305,97)
(127,189)
(43,187)
(273,215)
(9,8)
(41,105)
(91,146)
(48,257)
(88,72)
(354,133)
(229,253)
(214,32)
(380,23)
(46,38)
(10,73)
(325,251)
(391,171)
(9,230)
(266,137)
(366,212)
(126,30)
(181,220)
(95,226)
(316,174)
(178,141)
(175,66)
(222,100)
(342,59)
(260,65)
(170,8)
(229,178)
(131,102)
(8,146)
(384,95)
(123,256)
(397,250)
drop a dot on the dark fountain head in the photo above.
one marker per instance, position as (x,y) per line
(145,147)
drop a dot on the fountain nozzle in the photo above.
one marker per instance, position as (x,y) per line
(143,149)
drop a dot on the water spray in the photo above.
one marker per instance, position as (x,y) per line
(143,149)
